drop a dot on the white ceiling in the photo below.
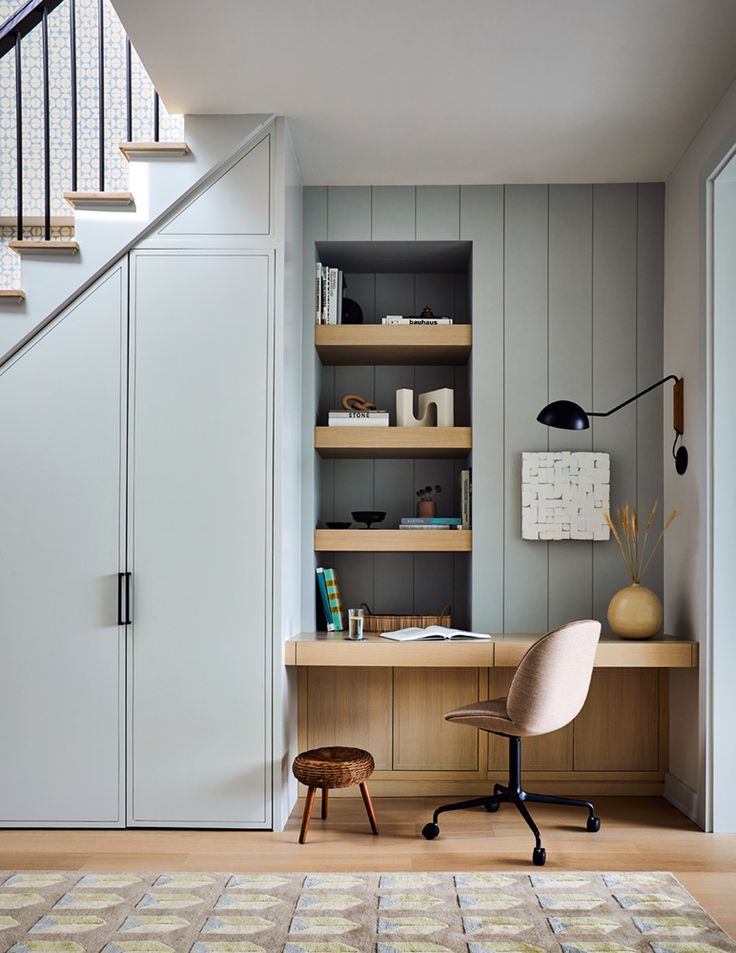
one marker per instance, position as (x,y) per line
(451,91)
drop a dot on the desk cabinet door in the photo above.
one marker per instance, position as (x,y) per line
(200,523)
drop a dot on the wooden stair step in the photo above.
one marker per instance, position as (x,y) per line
(98,199)
(40,247)
(153,150)
(12,296)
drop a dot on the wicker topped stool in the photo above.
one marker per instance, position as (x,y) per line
(335,767)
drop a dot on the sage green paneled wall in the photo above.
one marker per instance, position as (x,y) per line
(566,302)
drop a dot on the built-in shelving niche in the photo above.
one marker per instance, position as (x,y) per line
(397,278)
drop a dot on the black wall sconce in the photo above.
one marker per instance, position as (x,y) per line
(567,415)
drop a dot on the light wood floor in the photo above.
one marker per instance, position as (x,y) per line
(637,834)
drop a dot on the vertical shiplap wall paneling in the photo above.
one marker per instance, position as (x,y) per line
(614,363)
(525,392)
(481,221)
(437,219)
(314,229)
(650,409)
(570,368)
(394,213)
(566,302)
(349,218)
(438,213)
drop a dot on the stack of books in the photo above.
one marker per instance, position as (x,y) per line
(357,418)
(413,319)
(328,292)
(329,599)
(431,522)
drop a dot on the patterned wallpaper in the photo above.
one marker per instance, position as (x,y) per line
(116,168)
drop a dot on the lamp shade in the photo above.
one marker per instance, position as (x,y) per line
(565,414)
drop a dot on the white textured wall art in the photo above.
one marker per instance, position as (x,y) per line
(564,495)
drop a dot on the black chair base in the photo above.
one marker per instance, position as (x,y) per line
(514,793)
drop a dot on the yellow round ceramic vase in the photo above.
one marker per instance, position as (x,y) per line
(635,612)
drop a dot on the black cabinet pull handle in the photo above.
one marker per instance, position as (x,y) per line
(124,598)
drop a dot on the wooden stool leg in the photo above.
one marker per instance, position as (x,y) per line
(369,806)
(306,817)
(325,798)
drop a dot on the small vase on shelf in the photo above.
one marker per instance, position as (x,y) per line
(427,505)
(426,508)
(635,612)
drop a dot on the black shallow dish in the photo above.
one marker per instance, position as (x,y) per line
(333,524)
(368,516)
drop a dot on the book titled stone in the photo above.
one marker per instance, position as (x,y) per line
(357,418)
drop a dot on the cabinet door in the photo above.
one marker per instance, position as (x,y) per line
(199,663)
(62,658)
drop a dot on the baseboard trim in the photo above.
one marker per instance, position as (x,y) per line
(681,796)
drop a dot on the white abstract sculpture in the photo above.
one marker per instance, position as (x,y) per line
(443,401)
(564,495)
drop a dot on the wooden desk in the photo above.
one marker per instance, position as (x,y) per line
(506,650)
(391,698)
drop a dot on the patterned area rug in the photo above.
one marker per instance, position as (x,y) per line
(57,912)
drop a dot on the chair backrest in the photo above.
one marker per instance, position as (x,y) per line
(551,683)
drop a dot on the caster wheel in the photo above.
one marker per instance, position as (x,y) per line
(593,824)
(539,857)
(492,808)
(430,831)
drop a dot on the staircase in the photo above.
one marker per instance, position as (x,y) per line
(76,108)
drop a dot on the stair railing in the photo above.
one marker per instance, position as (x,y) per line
(33,14)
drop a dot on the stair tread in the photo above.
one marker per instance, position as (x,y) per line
(12,294)
(132,149)
(101,198)
(39,245)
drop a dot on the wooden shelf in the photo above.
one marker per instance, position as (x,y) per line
(505,651)
(393,540)
(396,442)
(393,344)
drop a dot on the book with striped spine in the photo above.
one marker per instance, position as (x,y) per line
(333,597)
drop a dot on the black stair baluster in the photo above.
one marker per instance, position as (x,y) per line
(46,129)
(101,88)
(156,116)
(19,136)
(129,89)
(73,66)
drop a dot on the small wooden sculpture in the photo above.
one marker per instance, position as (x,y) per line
(356,402)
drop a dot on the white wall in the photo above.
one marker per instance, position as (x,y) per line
(686,543)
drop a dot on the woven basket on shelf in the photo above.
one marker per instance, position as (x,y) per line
(390,623)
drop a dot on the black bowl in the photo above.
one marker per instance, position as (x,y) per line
(336,524)
(368,516)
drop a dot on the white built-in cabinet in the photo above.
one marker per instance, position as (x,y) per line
(199,547)
(138,437)
(62,545)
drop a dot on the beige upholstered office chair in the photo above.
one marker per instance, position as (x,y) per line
(547,691)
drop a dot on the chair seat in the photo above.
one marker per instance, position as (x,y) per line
(333,767)
(487,716)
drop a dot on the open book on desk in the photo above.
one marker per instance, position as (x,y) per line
(432,633)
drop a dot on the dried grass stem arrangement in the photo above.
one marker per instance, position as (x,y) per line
(633,541)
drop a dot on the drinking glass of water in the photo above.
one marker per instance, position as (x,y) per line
(355,625)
